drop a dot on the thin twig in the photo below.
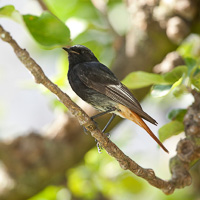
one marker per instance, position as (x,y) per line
(179,169)
(43,5)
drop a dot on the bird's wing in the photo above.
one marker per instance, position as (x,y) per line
(98,77)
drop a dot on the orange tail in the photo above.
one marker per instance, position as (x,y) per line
(129,114)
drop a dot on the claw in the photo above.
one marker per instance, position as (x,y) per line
(99,147)
(107,134)
(85,130)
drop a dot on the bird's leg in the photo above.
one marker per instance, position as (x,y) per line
(109,122)
(107,134)
(101,114)
(106,126)
(96,116)
(85,130)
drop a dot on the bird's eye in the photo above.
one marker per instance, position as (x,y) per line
(82,52)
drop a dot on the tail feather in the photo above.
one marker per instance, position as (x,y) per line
(148,130)
(131,115)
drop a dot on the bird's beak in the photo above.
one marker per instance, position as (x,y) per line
(70,51)
(66,49)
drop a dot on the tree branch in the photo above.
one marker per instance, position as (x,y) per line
(177,181)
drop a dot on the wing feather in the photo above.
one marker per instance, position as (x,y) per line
(98,77)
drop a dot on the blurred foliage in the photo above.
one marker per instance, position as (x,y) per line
(65,9)
(100,177)
(10,12)
(177,114)
(178,82)
(53,193)
(170,129)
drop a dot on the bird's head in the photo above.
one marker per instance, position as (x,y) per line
(79,54)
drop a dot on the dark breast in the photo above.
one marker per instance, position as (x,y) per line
(96,99)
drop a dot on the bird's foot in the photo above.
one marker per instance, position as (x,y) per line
(85,130)
(99,147)
(107,134)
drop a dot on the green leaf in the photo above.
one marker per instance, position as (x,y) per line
(177,83)
(175,74)
(185,49)
(191,65)
(177,114)
(179,90)
(7,10)
(10,12)
(160,90)
(190,46)
(65,9)
(48,30)
(170,129)
(196,81)
(141,79)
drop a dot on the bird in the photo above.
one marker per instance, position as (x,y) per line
(96,84)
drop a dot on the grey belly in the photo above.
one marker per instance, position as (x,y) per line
(101,102)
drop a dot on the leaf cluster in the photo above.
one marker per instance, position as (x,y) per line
(178,82)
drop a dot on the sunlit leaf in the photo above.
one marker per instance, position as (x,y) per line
(141,79)
(160,90)
(48,30)
(191,64)
(49,193)
(190,46)
(175,74)
(185,49)
(10,12)
(179,90)
(196,81)
(177,83)
(7,10)
(64,9)
(170,129)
